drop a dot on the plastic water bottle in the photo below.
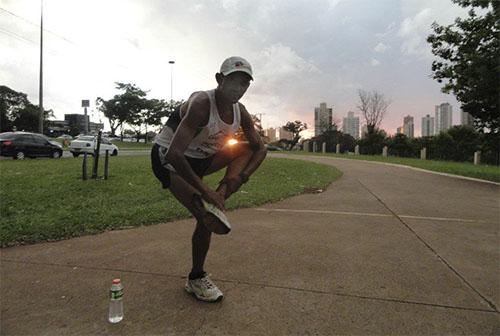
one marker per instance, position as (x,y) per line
(116,302)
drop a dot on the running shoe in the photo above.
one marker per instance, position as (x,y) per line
(204,289)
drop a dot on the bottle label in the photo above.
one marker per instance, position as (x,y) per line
(116,294)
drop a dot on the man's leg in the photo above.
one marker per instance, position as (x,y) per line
(235,158)
(198,283)
(185,194)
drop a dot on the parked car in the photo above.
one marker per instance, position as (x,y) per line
(20,145)
(88,143)
(65,137)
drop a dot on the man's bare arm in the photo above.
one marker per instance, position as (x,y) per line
(255,142)
(196,116)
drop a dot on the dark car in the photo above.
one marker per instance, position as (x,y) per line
(20,145)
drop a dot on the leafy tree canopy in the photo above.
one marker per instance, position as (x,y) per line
(131,106)
(468,52)
(295,127)
(17,111)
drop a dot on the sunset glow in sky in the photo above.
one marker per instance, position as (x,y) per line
(303,52)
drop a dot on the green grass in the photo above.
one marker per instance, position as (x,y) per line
(484,172)
(45,199)
(122,145)
(132,145)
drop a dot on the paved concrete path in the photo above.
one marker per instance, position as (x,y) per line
(384,250)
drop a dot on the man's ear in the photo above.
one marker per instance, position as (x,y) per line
(219,77)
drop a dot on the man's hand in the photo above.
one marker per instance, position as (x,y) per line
(214,198)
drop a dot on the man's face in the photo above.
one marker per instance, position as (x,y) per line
(234,86)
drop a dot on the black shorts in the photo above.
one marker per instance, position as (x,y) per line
(162,173)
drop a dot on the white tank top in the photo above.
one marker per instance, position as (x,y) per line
(211,138)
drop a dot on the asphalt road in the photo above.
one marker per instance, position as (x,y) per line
(384,250)
(124,152)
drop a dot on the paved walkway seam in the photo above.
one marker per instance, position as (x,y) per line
(491,304)
(330,212)
(254,284)
(363,297)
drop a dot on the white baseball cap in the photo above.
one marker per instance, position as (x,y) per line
(235,63)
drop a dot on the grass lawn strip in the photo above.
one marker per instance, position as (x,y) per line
(482,172)
(45,199)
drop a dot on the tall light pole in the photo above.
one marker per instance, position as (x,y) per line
(40,93)
(171,80)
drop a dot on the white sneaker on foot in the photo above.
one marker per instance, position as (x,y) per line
(203,289)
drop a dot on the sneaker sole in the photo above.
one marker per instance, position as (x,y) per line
(223,227)
(191,292)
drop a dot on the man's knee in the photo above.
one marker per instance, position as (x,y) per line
(239,150)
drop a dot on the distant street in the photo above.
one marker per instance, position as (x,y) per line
(131,152)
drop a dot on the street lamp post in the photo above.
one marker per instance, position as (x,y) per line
(40,93)
(171,80)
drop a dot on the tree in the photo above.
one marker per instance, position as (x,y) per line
(373,143)
(468,63)
(400,145)
(10,101)
(428,142)
(152,113)
(132,107)
(374,106)
(122,107)
(332,137)
(28,118)
(16,110)
(445,146)
(111,110)
(295,127)
(490,148)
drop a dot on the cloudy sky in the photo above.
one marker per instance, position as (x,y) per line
(303,52)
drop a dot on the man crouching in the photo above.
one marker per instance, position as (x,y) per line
(193,144)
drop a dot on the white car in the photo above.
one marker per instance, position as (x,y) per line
(65,137)
(88,143)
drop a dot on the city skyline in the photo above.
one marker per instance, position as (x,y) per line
(407,125)
(325,54)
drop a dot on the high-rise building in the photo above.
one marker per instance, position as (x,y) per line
(399,130)
(271,134)
(443,117)
(466,119)
(322,118)
(278,133)
(350,125)
(281,134)
(408,126)
(427,126)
